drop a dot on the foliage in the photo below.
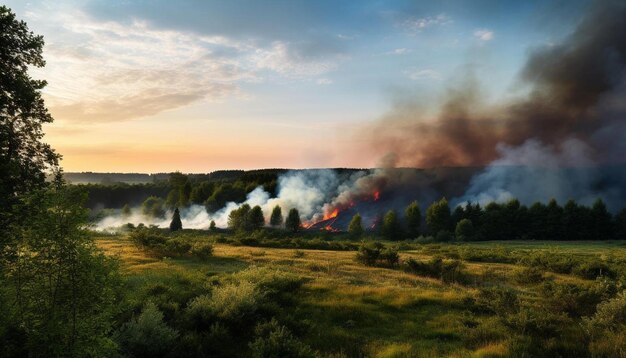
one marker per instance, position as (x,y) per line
(391,229)
(438,217)
(276,219)
(147,335)
(413,219)
(202,250)
(176,224)
(275,340)
(446,271)
(24,158)
(245,218)
(160,245)
(355,228)
(377,255)
(154,207)
(292,223)
(464,230)
(61,288)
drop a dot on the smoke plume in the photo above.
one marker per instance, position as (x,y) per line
(575,91)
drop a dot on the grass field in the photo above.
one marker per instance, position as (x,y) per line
(354,310)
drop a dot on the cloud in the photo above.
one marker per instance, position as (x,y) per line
(398,51)
(484,35)
(424,74)
(103,70)
(422,23)
(285,59)
(324,81)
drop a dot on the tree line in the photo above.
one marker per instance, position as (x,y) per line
(506,221)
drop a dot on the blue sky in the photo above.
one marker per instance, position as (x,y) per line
(202,85)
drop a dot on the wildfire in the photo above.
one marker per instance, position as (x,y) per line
(333,214)
(376,195)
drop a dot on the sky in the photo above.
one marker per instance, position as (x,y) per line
(197,86)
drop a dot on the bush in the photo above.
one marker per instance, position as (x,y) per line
(369,254)
(389,257)
(202,250)
(269,282)
(174,248)
(528,275)
(446,271)
(147,335)
(274,340)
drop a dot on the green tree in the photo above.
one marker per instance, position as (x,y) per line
(58,291)
(438,217)
(176,224)
(212,226)
(391,229)
(201,192)
(184,194)
(173,198)
(413,219)
(601,224)
(554,221)
(24,158)
(276,219)
(177,179)
(62,289)
(292,222)
(355,228)
(153,206)
(255,219)
(126,212)
(237,219)
(464,230)
(147,335)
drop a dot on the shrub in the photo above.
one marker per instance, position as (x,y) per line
(234,301)
(275,340)
(202,250)
(369,254)
(446,271)
(175,248)
(389,257)
(593,269)
(610,315)
(528,275)
(269,281)
(500,301)
(147,335)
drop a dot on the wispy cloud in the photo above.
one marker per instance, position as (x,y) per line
(422,23)
(282,58)
(398,51)
(423,74)
(484,35)
(107,71)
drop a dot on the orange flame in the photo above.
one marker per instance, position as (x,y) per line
(376,195)
(333,214)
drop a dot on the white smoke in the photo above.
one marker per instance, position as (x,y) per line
(535,172)
(306,191)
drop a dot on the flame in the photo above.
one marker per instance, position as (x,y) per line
(376,195)
(333,214)
(330,228)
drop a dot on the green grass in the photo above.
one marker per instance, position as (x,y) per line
(353,310)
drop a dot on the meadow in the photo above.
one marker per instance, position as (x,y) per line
(506,300)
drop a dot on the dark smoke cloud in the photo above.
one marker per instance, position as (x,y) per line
(575,91)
